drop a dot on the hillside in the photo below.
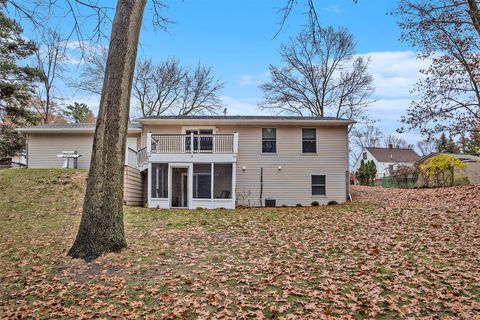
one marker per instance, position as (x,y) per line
(392,254)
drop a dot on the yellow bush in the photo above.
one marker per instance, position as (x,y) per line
(440,169)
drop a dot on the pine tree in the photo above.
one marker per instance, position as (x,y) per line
(451,146)
(372,172)
(16,86)
(361,173)
(442,143)
(473,143)
(78,112)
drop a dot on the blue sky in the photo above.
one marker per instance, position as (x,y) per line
(237,39)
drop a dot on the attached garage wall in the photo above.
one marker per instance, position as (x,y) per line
(44,148)
(133,185)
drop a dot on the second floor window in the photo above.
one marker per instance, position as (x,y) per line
(309,140)
(269,140)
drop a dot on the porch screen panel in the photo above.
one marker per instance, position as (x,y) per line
(222,180)
(159,180)
(202,181)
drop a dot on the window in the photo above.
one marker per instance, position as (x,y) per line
(269,140)
(390,168)
(364,156)
(309,140)
(159,180)
(202,181)
(319,185)
(222,180)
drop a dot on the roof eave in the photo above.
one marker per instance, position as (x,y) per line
(68,130)
(146,121)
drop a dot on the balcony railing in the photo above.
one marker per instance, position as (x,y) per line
(193,143)
(138,158)
(142,157)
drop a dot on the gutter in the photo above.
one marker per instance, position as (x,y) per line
(68,130)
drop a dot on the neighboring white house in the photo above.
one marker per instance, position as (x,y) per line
(214,161)
(387,159)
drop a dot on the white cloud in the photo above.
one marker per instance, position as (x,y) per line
(252,80)
(395,72)
(92,101)
(245,80)
(333,9)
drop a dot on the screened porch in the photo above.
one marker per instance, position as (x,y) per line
(192,185)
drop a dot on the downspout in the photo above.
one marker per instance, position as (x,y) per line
(261,187)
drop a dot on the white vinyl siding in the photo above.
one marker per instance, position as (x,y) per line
(292,183)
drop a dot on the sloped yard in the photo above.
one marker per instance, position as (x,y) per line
(391,254)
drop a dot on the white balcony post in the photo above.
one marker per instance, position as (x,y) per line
(234,184)
(191,143)
(149,143)
(235,143)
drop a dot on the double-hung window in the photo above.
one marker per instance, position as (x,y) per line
(319,185)
(309,140)
(269,140)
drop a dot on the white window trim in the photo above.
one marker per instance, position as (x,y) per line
(316,142)
(214,129)
(318,185)
(276,142)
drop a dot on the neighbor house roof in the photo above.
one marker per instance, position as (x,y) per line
(463,157)
(393,154)
(72,128)
(244,120)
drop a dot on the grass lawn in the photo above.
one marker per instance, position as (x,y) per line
(390,254)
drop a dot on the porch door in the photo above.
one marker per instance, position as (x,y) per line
(202,143)
(179,188)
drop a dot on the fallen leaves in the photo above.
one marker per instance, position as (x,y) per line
(391,254)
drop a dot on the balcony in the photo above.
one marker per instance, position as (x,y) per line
(192,147)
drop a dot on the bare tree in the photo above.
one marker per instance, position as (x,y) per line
(426,147)
(395,141)
(320,77)
(447,33)
(91,77)
(157,87)
(313,21)
(50,60)
(200,92)
(367,136)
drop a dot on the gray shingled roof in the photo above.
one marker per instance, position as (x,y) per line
(393,154)
(75,126)
(244,118)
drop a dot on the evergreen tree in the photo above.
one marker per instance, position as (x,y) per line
(442,143)
(366,173)
(361,173)
(452,146)
(472,145)
(16,85)
(78,112)
(371,172)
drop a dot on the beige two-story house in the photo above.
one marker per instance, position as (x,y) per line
(214,161)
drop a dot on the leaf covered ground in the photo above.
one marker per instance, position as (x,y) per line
(390,254)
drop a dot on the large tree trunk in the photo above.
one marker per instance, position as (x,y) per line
(101,228)
(474,14)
